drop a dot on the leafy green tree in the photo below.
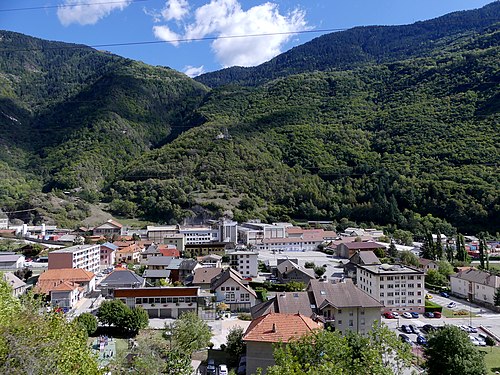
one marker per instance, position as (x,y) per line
(235,346)
(294,286)
(461,253)
(88,322)
(408,258)
(137,318)
(445,268)
(449,352)
(113,312)
(403,237)
(379,252)
(190,333)
(434,277)
(39,343)
(327,352)
(496,299)
(309,265)
(320,271)
(393,251)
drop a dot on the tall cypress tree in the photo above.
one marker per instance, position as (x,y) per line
(481,254)
(449,253)
(438,248)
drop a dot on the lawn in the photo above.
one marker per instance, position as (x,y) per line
(492,358)
(461,313)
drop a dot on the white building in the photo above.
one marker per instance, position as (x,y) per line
(11,261)
(252,233)
(475,285)
(86,257)
(228,231)
(4,220)
(397,287)
(199,235)
(245,262)
(290,244)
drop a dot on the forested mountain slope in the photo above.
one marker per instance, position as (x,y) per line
(387,143)
(403,131)
(361,46)
(73,116)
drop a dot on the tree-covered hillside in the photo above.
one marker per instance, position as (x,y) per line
(393,126)
(389,144)
(361,46)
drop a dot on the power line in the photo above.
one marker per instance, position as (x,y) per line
(69,5)
(180,40)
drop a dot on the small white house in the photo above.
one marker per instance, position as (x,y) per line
(475,285)
(230,289)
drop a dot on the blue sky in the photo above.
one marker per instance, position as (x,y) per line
(97,22)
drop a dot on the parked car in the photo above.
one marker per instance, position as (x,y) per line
(474,340)
(389,315)
(211,367)
(405,338)
(421,340)
(444,294)
(396,314)
(428,296)
(428,328)
(414,314)
(429,315)
(481,341)
(437,314)
(414,329)
(451,305)
(406,329)
(472,329)
(407,315)
(222,370)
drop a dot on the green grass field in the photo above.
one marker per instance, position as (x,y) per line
(492,358)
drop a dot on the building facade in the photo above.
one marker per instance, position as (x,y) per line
(245,262)
(86,257)
(475,285)
(399,288)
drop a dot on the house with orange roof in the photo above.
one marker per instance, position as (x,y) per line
(51,278)
(271,329)
(129,254)
(65,286)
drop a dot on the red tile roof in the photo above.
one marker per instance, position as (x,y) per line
(275,327)
(50,279)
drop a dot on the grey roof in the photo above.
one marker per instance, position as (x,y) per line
(9,258)
(14,281)
(205,275)
(152,249)
(159,261)
(479,277)
(156,274)
(211,257)
(122,277)
(175,264)
(286,303)
(188,264)
(109,245)
(364,257)
(340,295)
(227,274)
(282,268)
(363,245)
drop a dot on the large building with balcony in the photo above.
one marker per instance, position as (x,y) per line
(86,257)
(399,288)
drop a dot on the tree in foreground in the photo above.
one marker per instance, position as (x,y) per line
(190,333)
(235,345)
(449,351)
(88,322)
(379,352)
(39,343)
(118,314)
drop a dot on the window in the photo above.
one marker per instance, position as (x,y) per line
(169,299)
(138,301)
(351,313)
(157,300)
(340,322)
(340,311)
(381,294)
(390,294)
(362,321)
(362,312)
(382,286)
(351,323)
(181,299)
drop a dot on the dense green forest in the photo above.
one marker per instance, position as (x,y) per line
(402,133)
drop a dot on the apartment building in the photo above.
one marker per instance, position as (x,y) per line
(199,235)
(86,257)
(397,287)
(245,262)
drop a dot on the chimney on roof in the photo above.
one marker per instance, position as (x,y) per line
(274,328)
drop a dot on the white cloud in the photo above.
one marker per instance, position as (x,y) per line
(164,33)
(175,10)
(225,19)
(87,12)
(194,71)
